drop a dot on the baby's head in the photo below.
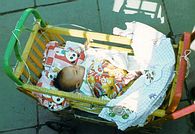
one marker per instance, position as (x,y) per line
(69,78)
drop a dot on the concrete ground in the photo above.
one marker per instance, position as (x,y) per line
(20,114)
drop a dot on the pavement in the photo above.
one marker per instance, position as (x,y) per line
(20,114)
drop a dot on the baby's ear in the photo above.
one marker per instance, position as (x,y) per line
(78,84)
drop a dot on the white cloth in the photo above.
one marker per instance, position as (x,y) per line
(155,54)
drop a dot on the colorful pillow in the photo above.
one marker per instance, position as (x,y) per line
(57,57)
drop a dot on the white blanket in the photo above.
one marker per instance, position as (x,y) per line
(156,56)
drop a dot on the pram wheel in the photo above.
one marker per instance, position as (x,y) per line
(61,127)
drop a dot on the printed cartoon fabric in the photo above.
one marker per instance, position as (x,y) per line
(105,79)
(57,57)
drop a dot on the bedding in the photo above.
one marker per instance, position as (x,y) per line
(156,56)
(55,58)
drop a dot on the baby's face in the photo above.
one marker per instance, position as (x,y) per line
(74,75)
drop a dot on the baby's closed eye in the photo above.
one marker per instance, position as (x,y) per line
(76,71)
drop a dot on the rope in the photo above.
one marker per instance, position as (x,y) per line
(186,58)
(28,70)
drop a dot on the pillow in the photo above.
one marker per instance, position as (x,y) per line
(57,57)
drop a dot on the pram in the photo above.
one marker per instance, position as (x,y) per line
(30,63)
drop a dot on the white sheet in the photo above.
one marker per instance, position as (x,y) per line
(155,54)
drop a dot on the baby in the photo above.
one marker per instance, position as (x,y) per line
(101,77)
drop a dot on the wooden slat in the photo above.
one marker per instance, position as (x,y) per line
(111,47)
(26,75)
(33,68)
(50,36)
(68,95)
(37,51)
(173,88)
(26,51)
(181,74)
(59,37)
(36,60)
(43,36)
(41,44)
(86,107)
(90,35)
(97,110)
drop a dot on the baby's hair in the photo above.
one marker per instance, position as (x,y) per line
(61,85)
